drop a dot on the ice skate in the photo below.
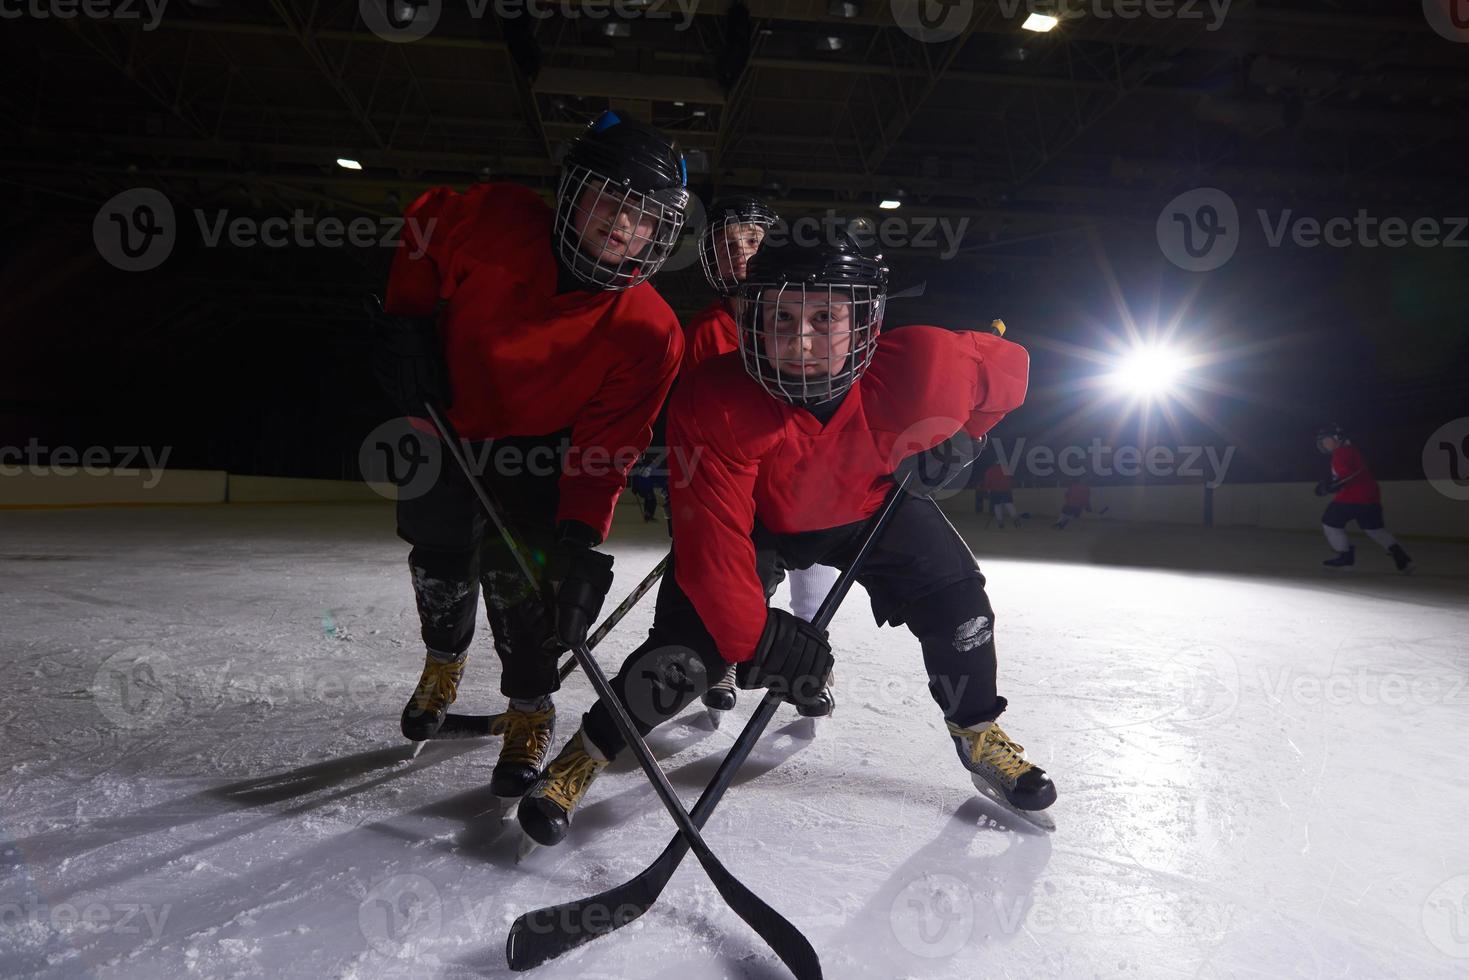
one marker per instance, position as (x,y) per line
(1343,561)
(528,728)
(721,697)
(1401,559)
(545,812)
(438,686)
(999,770)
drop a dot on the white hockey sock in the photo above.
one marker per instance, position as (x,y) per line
(1383,537)
(1336,537)
(808,587)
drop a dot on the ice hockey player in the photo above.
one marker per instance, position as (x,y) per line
(551,343)
(737,226)
(1001,487)
(797,435)
(1078,499)
(1356,497)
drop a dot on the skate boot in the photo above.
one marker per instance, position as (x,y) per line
(721,697)
(1344,560)
(545,812)
(825,704)
(997,765)
(438,686)
(528,727)
(1401,559)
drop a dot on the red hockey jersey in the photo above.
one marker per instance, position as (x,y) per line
(712,331)
(995,478)
(739,452)
(525,361)
(1360,489)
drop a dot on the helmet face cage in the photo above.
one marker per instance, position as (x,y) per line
(835,315)
(714,246)
(645,252)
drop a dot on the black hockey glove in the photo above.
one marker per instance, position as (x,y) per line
(792,658)
(408,360)
(579,578)
(1327,487)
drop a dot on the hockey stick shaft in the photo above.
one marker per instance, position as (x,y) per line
(793,948)
(544,934)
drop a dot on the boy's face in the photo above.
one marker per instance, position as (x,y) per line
(733,246)
(1327,444)
(808,338)
(610,223)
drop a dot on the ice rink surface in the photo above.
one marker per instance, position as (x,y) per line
(1261,769)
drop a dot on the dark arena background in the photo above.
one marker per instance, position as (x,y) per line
(1224,535)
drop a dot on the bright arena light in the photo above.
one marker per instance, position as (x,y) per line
(1148,371)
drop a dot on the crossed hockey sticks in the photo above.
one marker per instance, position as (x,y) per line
(794,950)
(547,933)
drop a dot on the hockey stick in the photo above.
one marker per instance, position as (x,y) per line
(794,949)
(478,726)
(547,933)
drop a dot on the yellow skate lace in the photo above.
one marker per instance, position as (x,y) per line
(569,776)
(439,685)
(997,749)
(527,735)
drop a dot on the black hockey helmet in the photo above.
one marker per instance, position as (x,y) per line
(723,214)
(1333,431)
(633,172)
(828,296)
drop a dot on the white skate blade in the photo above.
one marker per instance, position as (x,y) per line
(525,848)
(417,748)
(715,717)
(1036,818)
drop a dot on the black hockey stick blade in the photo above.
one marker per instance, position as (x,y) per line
(544,934)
